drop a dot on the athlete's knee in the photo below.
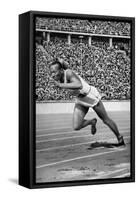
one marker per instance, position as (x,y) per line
(76,127)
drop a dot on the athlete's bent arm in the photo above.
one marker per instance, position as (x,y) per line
(74,82)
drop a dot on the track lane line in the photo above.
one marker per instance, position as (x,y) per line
(64,138)
(123,175)
(85,130)
(61,127)
(56,120)
(78,158)
(72,145)
(109,173)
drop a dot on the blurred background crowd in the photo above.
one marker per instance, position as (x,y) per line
(106,68)
(86,26)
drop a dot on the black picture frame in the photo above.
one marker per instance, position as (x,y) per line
(27,109)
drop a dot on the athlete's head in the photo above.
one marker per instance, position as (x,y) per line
(56,69)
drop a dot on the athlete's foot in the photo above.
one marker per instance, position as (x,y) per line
(121,141)
(93,126)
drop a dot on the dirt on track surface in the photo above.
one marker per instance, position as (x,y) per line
(63,154)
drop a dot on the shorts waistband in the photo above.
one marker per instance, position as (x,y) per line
(83,95)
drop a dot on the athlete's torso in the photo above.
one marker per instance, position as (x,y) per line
(85,86)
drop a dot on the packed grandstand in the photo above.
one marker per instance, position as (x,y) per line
(86,26)
(107,68)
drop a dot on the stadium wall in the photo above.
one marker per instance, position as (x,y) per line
(67,107)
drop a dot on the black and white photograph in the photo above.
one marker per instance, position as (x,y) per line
(68,100)
(83,99)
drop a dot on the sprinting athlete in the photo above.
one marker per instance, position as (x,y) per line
(86,97)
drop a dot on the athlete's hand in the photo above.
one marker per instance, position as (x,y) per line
(54,82)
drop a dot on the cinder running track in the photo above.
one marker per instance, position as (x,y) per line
(65,155)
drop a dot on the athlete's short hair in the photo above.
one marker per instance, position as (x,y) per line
(60,65)
(56,63)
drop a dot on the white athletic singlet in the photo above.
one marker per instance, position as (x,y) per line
(88,96)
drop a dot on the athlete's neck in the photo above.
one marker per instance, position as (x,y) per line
(62,77)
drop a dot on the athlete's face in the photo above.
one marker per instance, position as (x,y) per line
(55,72)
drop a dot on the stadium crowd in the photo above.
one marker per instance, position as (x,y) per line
(108,69)
(84,26)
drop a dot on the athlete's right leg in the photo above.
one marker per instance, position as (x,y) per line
(78,117)
(101,112)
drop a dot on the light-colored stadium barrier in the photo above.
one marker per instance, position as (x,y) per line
(49,107)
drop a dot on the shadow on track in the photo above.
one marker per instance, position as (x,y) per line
(103,144)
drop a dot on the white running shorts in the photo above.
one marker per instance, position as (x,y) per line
(90,100)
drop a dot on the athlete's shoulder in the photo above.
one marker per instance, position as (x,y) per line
(70,75)
(69,72)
